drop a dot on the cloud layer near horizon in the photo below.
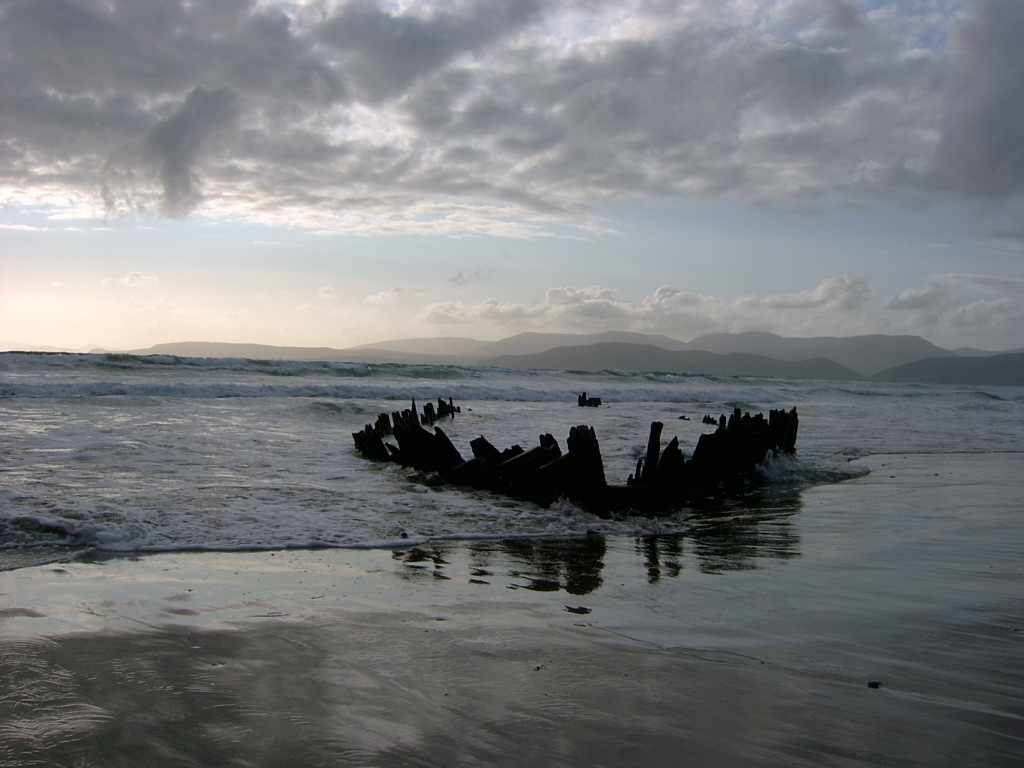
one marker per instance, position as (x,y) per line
(505,118)
(837,306)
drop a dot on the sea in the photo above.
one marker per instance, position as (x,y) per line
(116,453)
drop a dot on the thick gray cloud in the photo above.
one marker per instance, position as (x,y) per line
(483,117)
(981,153)
(383,54)
(172,148)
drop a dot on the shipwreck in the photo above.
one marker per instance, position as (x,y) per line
(724,461)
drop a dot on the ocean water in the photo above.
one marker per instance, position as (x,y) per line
(120,453)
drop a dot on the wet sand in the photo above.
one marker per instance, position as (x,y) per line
(876,622)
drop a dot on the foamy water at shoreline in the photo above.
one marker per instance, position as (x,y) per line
(122,453)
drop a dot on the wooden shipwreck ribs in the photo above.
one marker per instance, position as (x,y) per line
(723,461)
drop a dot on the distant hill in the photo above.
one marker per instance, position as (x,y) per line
(992,370)
(647,357)
(973,352)
(533,343)
(865,354)
(529,343)
(446,346)
(885,358)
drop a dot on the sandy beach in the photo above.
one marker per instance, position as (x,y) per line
(876,622)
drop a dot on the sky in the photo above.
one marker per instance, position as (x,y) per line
(339,172)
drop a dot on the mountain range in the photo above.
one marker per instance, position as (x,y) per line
(878,357)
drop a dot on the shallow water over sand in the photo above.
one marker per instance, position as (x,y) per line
(874,622)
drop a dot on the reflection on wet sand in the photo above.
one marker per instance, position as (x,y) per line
(889,632)
(549,565)
(738,544)
(736,541)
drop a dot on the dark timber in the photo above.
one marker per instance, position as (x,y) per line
(724,461)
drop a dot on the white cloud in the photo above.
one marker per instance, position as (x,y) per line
(668,310)
(845,292)
(22,228)
(934,310)
(1001,318)
(932,296)
(383,297)
(136,280)
(942,308)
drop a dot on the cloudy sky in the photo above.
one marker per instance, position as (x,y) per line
(335,172)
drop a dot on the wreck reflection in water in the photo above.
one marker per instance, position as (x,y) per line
(737,539)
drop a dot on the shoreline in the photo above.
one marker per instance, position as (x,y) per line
(878,622)
(783,494)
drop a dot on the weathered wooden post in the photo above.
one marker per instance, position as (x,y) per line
(650,468)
